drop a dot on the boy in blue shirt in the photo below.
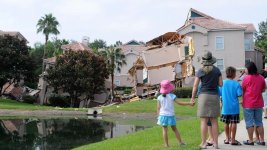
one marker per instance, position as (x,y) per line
(230,90)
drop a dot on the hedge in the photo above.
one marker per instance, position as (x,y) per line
(57,100)
(183,92)
(28,99)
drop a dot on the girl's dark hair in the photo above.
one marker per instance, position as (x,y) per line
(164,95)
(251,67)
(230,72)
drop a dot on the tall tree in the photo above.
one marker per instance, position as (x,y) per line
(53,48)
(15,62)
(115,59)
(47,24)
(261,36)
(78,73)
(97,44)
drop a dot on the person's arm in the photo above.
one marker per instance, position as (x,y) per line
(177,101)
(264,86)
(194,91)
(244,86)
(220,82)
(239,90)
(158,108)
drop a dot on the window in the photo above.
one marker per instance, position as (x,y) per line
(248,44)
(220,64)
(118,82)
(219,42)
(247,60)
(186,50)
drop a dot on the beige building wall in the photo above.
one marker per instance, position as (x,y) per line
(233,53)
(123,78)
(131,51)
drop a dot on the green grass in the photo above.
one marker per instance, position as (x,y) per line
(12,104)
(151,139)
(149,106)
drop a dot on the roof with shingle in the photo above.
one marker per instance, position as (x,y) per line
(210,23)
(129,47)
(249,27)
(13,33)
(50,60)
(76,46)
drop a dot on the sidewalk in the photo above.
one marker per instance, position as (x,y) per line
(241,135)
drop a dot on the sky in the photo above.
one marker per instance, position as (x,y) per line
(120,20)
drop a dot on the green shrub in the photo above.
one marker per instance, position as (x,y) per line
(28,99)
(128,91)
(183,92)
(61,101)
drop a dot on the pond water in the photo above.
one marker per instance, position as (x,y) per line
(55,134)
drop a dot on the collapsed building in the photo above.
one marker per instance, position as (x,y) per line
(168,56)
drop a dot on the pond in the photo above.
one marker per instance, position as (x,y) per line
(55,134)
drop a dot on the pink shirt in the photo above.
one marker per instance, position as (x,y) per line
(253,86)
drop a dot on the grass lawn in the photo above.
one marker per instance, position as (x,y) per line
(149,106)
(152,138)
(12,104)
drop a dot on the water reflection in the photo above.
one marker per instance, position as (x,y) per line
(48,134)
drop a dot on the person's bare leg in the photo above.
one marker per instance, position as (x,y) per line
(215,131)
(260,131)
(203,128)
(265,113)
(227,132)
(250,131)
(230,131)
(210,138)
(257,136)
(177,134)
(165,135)
(233,133)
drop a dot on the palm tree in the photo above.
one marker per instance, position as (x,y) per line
(115,59)
(48,24)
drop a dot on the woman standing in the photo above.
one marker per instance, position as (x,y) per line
(208,99)
(253,85)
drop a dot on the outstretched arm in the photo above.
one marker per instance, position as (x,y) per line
(158,108)
(195,87)
(177,101)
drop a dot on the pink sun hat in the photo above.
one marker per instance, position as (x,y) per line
(166,87)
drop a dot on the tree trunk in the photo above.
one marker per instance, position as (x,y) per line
(111,130)
(112,87)
(43,65)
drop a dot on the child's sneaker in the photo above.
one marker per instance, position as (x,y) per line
(182,143)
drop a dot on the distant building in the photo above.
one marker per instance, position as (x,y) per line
(132,51)
(14,34)
(45,89)
(231,43)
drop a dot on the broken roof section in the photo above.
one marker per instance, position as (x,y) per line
(169,37)
(163,53)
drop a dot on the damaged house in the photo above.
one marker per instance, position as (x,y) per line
(46,91)
(168,56)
